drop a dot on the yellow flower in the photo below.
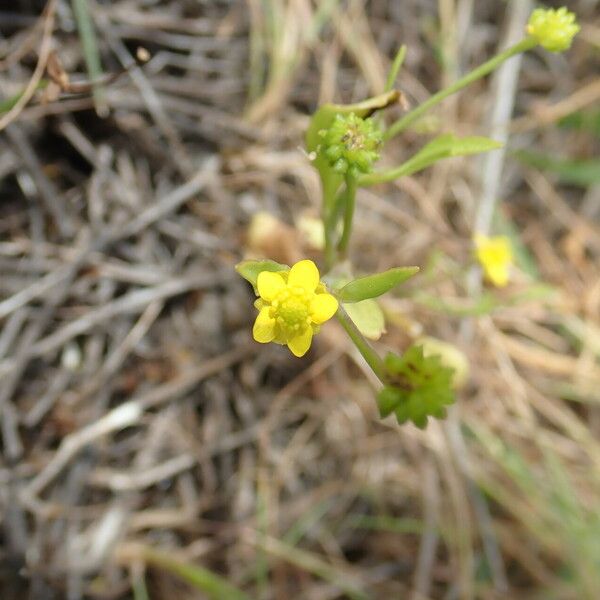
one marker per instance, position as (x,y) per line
(553,29)
(292,306)
(495,256)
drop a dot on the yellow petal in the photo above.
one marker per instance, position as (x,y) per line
(322,308)
(269,284)
(301,343)
(264,327)
(498,275)
(304,274)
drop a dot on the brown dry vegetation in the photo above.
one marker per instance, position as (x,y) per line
(143,431)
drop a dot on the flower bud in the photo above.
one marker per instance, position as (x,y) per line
(351,144)
(553,29)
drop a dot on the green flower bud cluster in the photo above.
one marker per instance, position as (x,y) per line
(350,145)
(553,29)
(419,386)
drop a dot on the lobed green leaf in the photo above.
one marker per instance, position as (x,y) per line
(419,386)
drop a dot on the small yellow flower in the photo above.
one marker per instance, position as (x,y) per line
(495,256)
(292,306)
(553,29)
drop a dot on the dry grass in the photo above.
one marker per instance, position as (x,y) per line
(147,441)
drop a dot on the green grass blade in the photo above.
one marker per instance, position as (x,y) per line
(8,103)
(312,563)
(580,172)
(213,585)
(395,68)
(91,54)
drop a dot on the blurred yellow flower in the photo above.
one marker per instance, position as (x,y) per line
(495,255)
(292,306)
(553,29)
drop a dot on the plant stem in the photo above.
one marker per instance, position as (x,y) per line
(403,170)
(373,359)
(350,203)
(329,221)
(477,73)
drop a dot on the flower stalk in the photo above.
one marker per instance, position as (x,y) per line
(485,69)
(350,204)
(366,350)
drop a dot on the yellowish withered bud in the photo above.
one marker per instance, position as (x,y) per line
(495,255)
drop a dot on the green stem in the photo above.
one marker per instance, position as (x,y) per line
(481,71)
(327,214)
(403,170)
(350,204)
(373,359)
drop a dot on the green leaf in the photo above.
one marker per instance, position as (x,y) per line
(484,304)
(588,120)
(372,286)
(368,318)
(8,103)
(419,386)
(444,146)
(211,584)
(396,66)
(91,53)
(581,172)
(388,399)
(249,269)
(450,356)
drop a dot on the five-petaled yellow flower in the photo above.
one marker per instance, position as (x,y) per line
(553,29)
(495,255)
(292,306)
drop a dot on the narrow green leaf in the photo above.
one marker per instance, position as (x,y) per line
(444,146)
(395,68)
(581,172)
(249,269)
(8,103)
(485,304)
(368,318)
(91,53)
(372,286)
(214,586)
(583,120)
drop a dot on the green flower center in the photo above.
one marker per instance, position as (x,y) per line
(291,309)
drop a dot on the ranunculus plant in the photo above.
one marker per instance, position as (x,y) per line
(344,143)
